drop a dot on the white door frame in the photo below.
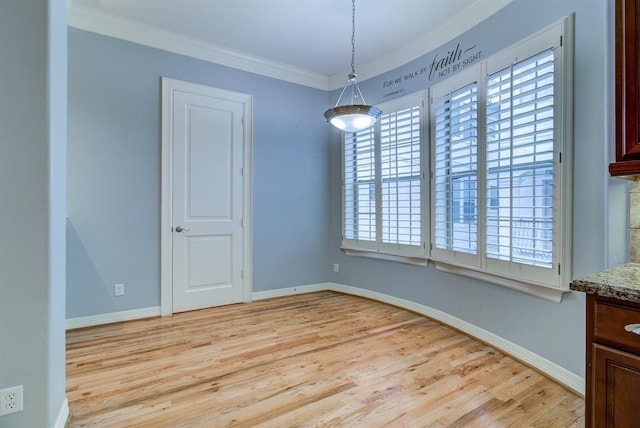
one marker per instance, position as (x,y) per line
(169,86)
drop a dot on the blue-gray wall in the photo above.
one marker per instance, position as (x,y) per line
(32,206)
(114,181)
(113,228)
(551,330)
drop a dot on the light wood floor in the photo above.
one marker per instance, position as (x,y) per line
(321,359)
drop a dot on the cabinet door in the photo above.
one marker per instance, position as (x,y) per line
(627,89)
(616,375)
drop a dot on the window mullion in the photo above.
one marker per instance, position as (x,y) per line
(378,182)
(396,182)
(449,181)
(481,170)
(511,239)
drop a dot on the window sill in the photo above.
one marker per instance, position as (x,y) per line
(543,292)
(547,293)
(415,261)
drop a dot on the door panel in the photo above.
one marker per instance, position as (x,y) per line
(210,161)
(210,262)
(207,188)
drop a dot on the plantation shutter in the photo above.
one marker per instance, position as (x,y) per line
(383,187)
(455,177)
(519,162)
(401,184)
(499,130)
(359,186)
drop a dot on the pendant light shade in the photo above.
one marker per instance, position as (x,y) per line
(356,116)
(353,118)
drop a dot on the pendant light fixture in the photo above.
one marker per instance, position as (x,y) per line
(358,115)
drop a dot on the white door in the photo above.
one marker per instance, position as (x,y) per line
(207,139)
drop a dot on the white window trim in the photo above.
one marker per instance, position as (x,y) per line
(544,292)
(415,261)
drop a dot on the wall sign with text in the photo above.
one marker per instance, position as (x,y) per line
(442,65)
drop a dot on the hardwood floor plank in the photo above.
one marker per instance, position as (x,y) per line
(320,359)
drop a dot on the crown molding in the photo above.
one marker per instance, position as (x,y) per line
(99,22)
(442,34)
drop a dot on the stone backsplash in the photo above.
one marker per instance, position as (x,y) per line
(634,221)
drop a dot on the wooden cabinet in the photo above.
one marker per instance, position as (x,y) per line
(617,387)
(612,396)
(627,88)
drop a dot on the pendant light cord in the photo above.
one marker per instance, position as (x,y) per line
(353,37)
(358,115)
(352,81)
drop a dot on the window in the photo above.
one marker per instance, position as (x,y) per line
(359,186)
(496,206)
(455,170)
(497,144)
(383,187)
(519,147)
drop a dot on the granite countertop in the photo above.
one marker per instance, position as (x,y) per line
(621,282)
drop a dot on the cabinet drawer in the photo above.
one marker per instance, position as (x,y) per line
(610,321)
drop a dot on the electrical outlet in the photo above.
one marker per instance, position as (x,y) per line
(119,289)
(336,267)
(11,400)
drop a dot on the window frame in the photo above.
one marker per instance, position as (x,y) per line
(412,254)
(446,87)
(558,36)
(507,273)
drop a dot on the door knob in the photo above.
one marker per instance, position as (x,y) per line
(181,229)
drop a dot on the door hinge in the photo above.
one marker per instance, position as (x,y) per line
(242,222)
(242,273)
(242,172)
(560,157)
(560,40)
(558,268)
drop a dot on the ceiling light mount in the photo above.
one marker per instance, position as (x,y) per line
(356,116)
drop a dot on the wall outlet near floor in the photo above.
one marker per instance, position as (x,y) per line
(119,289)
(11,400)
(336,267)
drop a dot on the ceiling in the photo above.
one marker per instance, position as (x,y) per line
(307,35)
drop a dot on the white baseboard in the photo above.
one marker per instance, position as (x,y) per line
(554,371)
(561,375)
(63,415)
(112,317)
(281,292)
(135,314)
